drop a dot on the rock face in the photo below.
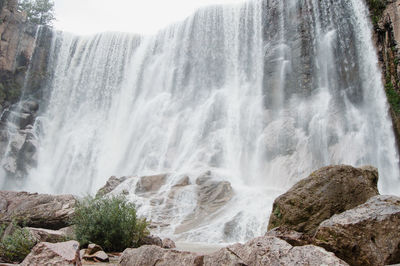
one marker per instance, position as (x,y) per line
(111,184)
(259,251)
(46,235)
(150,183)
(366,235)
(66,253)
(292,237)
(326,192)
(36,210)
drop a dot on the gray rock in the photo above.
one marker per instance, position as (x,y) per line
(366,235)
(46,235)
(37,210)
(292,237)
(66,253)
(325,192)
(168,243)
(152,240)
(150,183)
(111,184)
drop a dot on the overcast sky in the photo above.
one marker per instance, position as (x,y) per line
(138,16)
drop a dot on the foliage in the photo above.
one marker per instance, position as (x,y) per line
(109,222)
(40,12)
(16,246)
(376,8)
(393,97)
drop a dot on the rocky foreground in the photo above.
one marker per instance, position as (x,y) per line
(334,217)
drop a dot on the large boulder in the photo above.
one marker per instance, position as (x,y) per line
(150,183)
(328,191)
(366,235)
(66,253)
(111,184)
(271,251)
(47,235)
(259,251)
(292,237)
(36,210)
(154,255)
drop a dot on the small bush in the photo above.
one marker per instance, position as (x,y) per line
(16,246)
(109,222)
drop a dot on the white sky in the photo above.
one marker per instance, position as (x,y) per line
(138,16)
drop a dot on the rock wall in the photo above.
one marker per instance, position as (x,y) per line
(385,16)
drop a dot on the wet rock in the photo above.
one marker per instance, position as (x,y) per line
(292,237)
(66,253)
(326,192)
(168,243)
(150,183)
(271,251)
(366,235)
(46,235)
(111,184)
(184,181)
(154,255)
(211,196)
(30,106)
(152,240)
(37,210)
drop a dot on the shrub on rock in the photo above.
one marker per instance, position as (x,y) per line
(111,223)
(15,244)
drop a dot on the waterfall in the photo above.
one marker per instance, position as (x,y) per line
(260,94)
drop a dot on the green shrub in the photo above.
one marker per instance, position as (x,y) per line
(376,8)
(109,222)
(16,246)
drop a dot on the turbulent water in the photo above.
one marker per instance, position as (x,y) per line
(261,94)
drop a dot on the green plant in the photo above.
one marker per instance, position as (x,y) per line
(109,222)
(392,96)
(376,8)
(16,246)
(40,12)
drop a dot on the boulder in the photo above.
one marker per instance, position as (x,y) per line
(259,251)
(328,191)
(271,251)
(66,253)
(154,255)
(46,235)
(95,253)
(111,184)
(152,240)
(292,237)
(366,235)
(183,182)
(36,210)
(150,183)
(168,243)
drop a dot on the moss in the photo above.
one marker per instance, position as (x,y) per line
(393,97)
(277,213)
(376,8)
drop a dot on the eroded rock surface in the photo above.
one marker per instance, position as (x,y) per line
(328,191)
(366,235)
(36,210)
(111,184)
(66,253)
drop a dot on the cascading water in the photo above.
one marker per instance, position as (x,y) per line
(260,94)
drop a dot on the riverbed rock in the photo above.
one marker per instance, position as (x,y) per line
(154,255)
(292,237)
(37,210)
(259,251)
(111,184)
(47,235)
(150,183)
(168,243)
(152,240)
(66,253)
(94,253)
(328,191)
(366,235)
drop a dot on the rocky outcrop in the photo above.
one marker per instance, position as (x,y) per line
(111,184)
(152,183)
(366,235)
(385,16)
(328,191)
(66,253)
(292,237)
(36,210)
(47,235)
(259,251)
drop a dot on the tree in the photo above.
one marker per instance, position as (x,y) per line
(40,12)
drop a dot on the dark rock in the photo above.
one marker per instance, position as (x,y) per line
(95,253)
(292,237)
(66,253)
(366,235)
(37,210)
(326,192)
